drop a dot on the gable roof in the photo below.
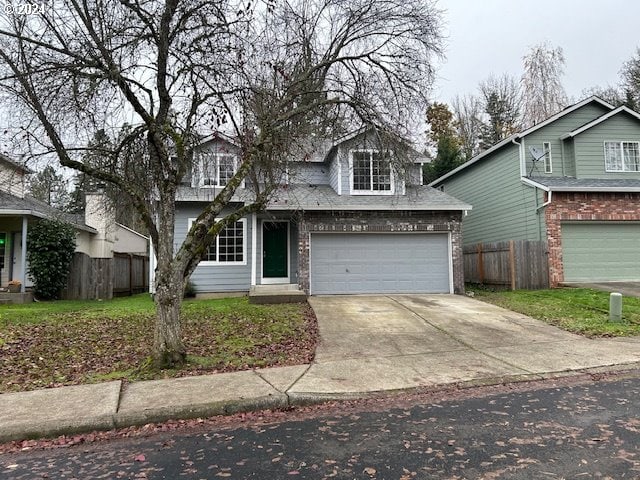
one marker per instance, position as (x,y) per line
(599,120)
(412,152)
(516,136)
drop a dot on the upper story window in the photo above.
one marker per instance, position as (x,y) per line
(622,156)
(548,166)
(371,173)
(229,246)
(216,169)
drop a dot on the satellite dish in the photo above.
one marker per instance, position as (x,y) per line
(536,153)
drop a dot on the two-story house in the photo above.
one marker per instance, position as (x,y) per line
(572,181)
(345,222)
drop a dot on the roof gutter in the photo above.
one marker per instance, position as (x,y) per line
(544,188)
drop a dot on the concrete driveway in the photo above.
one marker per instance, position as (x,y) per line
(628,289)
(386,342)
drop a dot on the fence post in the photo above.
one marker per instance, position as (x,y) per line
(512,264)
(130,274)
(480,265)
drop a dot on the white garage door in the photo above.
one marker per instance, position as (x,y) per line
(380,263)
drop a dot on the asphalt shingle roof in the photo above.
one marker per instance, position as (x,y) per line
(323,197)
(10,204)
(589,184)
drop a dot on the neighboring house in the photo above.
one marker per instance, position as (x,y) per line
(97,234)
(572,181)
(344,221)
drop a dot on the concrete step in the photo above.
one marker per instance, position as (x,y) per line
(285,293)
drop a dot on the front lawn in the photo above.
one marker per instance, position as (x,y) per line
(49,344)
(578,310)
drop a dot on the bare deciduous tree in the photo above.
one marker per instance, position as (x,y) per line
(542,92)
(467,111)
(270,74)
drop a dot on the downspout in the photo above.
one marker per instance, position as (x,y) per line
(547,202)
(523,169)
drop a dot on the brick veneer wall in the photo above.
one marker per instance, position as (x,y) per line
(567,206)
(372,222)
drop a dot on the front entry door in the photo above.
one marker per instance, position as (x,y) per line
(274,249)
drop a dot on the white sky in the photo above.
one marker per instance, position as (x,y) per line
(492,36)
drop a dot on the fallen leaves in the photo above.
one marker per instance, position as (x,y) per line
(90,345)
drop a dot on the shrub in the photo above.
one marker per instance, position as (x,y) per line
(189,290)
(50,247)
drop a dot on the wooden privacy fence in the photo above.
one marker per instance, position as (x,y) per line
(514,264)
(103,278)
(130,274)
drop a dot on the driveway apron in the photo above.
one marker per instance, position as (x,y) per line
(373,343)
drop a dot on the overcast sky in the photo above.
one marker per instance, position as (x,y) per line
(492,36)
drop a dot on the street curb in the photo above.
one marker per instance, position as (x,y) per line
(55,429)
(200,410)
(278,401)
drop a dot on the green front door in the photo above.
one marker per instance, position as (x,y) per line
(274,249)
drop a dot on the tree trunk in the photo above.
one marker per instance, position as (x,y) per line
(168,349)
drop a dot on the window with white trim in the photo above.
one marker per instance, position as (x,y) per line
(622,156)
(216,169)
(371,172)
(229,246)
(546,148)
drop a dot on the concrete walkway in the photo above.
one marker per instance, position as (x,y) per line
(369,344)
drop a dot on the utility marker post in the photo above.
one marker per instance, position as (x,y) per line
(615,307)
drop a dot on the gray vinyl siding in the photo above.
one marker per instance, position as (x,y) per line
(309,173)
(214,278)
(562,166)
(589,146)
(503,207)
(414,174)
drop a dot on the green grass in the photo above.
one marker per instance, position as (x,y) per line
(577,310)
(49,344)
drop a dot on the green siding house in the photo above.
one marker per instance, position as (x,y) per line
(572,182)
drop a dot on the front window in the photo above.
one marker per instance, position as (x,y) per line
(622,156)
(216,169)
(371,172)
(228,247)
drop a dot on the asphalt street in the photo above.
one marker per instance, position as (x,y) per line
(584,430)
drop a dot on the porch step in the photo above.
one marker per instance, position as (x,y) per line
(286,293)
(8,298)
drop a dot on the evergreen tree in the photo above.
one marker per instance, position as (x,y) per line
(443,134)
(501,104)
(50,187)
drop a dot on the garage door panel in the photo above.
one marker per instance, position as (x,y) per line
(600,252)
(379,263)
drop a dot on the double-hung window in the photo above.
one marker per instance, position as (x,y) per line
(371,173)
(622,156)
(216,169)
(229,247)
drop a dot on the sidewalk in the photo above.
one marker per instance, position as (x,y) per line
(368,345)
